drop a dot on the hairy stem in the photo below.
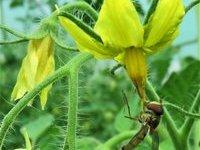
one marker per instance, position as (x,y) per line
(13,113)
(70,139)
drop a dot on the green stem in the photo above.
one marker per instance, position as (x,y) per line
(191,5)
(186,128)
(181,110)
(172,129)
(61,72)
(150,11)
(70,139)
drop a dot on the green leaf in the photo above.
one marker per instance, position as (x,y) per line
(52,139)
(181,88)
(87,143)
(37,127)
(166,145)
(159,65)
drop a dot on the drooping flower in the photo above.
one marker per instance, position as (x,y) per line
(37,64)
(125,39)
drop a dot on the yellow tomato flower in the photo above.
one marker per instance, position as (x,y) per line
(38,63)
(125,39)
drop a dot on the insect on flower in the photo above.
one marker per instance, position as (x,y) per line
(149,119)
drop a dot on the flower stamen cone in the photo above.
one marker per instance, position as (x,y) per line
(135,62)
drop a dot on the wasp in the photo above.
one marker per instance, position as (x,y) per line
(149,119)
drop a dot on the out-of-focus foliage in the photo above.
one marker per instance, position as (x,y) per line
(101,105)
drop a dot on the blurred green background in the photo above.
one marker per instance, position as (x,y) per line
(174,72)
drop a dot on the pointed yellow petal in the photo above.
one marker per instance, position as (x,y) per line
(119,24)
(26,76)
(136,65)
(85,42)
(163,25)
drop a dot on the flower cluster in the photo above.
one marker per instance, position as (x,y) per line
(124,38)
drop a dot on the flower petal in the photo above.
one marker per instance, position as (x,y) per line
(119,24)
(36,66)
(163,25)
(85,42)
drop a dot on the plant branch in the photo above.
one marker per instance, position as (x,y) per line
(186,128)
(191,5)
(181,110)
(13,113)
